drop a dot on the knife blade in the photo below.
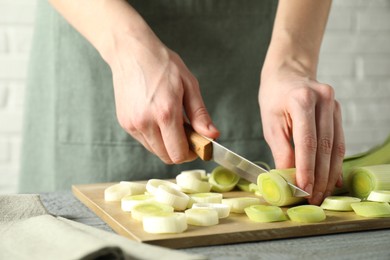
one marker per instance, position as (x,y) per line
(207,149)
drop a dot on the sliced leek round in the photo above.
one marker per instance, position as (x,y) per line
(165,222)
(202,217)
(238,205)
(117,191)
(339,203)
(206,197)
(243,185)
(274,188)
(363,180)
(379,196)
(264,213)
(372,209)
(177,199)
(141,210)
(192,182)
(306,214)
(153,184)
(223,210)
(223,180)
(129,201)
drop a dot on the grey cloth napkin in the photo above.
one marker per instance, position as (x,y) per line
(27,231)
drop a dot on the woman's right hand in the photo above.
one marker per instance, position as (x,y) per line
(153,87)
(154,90)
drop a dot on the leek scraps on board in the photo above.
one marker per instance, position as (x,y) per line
(372,209)
(306,214)
(223,180)
(264,213)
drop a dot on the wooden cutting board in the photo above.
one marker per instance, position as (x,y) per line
(234,229)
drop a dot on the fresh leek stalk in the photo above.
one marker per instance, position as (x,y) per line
(372,209)
(306,214)
(238,205)
(202,217)
(165,222)
(223,180)
(379,196)
(363,180)
(264,213)
(339,203)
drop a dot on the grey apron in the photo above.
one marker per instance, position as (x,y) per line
(71,134)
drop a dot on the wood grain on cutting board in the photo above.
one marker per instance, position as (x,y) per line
(234,229)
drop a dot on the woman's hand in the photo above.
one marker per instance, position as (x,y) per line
(153,87)
(154,90)
(296,108)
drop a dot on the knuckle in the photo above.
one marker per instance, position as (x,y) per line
(340,150)
(327,92)
(310,143)
(305,97)
(165,115)
(140,123)
(325,145)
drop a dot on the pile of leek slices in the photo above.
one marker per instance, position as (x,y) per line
(196,198)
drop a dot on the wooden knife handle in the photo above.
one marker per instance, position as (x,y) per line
(198,143)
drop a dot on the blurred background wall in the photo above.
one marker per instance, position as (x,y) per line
(355,60)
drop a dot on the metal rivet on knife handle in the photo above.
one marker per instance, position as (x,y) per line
(199,144)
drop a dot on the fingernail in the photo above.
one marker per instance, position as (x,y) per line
(309,189)
(339,182)
(212,127)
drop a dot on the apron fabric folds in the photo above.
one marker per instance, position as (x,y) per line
(71,134)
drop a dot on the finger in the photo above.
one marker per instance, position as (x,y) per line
(140,138)
(155,141)
(325,135)
(195,109)
(338,152)
(305,139)
(278,139)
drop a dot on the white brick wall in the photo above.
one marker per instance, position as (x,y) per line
(355,60)
(16,27)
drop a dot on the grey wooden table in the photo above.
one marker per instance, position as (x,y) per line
(368,245)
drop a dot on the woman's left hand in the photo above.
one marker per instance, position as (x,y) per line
(302,125)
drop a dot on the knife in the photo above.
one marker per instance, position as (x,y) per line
(207,149)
